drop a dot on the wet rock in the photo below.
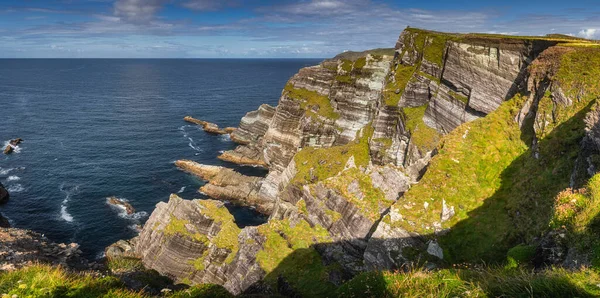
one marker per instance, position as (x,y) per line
(121,204)
(206,126)
(4,195)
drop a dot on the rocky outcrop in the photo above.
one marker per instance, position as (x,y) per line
(198,242)
(4,195)
(12,144)
(120,203)
(209,127)
(227,184)
(244,155)
(20,248)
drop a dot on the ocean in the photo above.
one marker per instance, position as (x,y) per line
(95,128)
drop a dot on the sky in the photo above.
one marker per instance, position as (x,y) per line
(264,29)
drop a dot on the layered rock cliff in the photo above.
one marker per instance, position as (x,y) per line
(352,185)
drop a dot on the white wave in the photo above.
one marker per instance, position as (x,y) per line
(135,227)
(16,149)
(122,211)
(13,178)
(225,138)
(100,255)
(6,171)
(193,145)
(15,188)
(221,151)
(64,214)
(182,189)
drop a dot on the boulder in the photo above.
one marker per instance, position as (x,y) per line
(121,203)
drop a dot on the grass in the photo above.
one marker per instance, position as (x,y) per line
(312,102)
(288,253)
(422,136)
(478,282)
(373,198)
(48,281)
(318,164)
(227,237)
(459,96)
(124,264)
(53,281)
(178,226)
(402,76)
(487,172)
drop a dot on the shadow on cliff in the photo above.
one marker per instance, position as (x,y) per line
(518,212)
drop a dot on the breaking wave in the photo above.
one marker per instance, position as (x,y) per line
(69,192)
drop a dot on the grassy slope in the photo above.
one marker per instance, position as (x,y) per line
(502,195)
(48,281)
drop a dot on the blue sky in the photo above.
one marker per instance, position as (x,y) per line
(254,29)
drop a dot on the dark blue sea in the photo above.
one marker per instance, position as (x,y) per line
(95,128)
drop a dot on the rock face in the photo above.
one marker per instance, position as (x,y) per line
(4,195)
(198,242)
(227,184)
(20,248)
(348,137)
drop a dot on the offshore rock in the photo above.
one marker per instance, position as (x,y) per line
(120,203)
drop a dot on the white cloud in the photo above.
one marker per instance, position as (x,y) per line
(138,11)
(588,33)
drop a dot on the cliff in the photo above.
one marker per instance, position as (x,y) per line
(451,148)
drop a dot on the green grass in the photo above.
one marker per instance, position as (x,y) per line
(311,99)
(402,76)
(477,282)
(327,162)
(459,96)
(53,281)
(372,199)
(178,226)
(48,281)
(422,136)
(124,264)
(288,253)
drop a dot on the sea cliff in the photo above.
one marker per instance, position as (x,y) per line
(384,159)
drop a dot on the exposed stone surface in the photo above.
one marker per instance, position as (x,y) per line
(227,184)
(20,248)
(244,155)
(208,126)
(4,195)
(120,203)
(194,241)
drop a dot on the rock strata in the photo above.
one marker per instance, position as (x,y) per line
(208,126)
